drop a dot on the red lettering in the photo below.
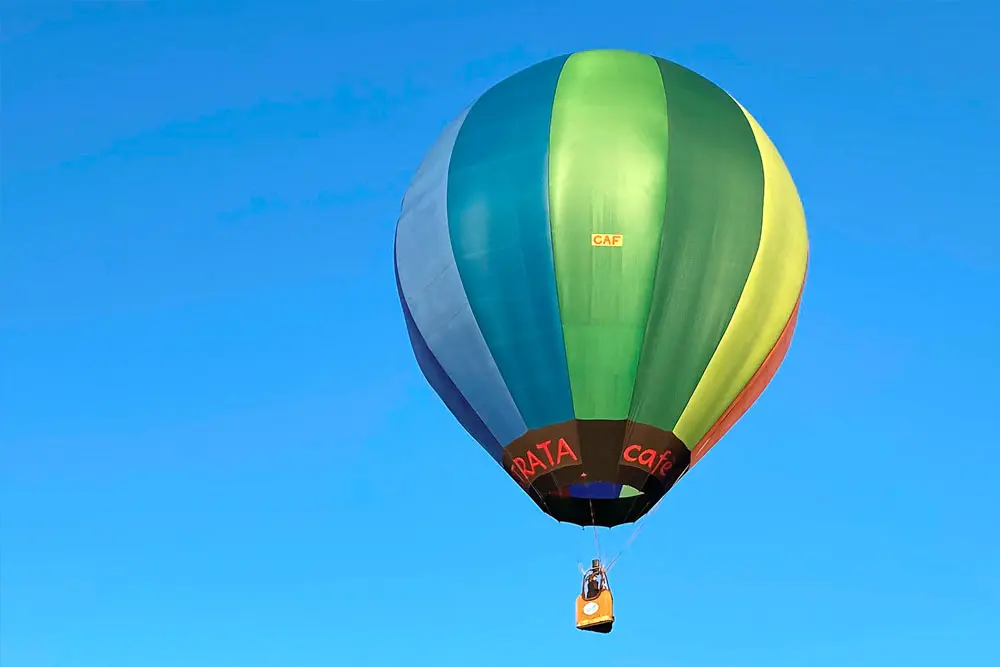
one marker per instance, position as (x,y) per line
(545,446)
(531,464)
(564,450)
(535,462)
(664,464)
(647,457)
(657,463)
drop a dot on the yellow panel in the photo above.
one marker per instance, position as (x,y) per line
(767,301)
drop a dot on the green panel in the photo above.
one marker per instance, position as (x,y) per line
(715,201)
(607,175)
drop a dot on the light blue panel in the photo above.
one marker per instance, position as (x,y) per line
(446,389)
(433,291)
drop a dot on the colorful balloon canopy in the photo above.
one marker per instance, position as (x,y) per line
(600,263)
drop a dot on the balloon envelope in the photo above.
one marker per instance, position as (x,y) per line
(600,263)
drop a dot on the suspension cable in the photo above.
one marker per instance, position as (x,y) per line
(597,537)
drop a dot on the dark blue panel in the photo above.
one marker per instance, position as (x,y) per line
(595,490)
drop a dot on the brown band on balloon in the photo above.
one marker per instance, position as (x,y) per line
(547,461)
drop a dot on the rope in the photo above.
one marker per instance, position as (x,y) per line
(635,533)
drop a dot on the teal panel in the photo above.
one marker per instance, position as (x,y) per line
(498,217)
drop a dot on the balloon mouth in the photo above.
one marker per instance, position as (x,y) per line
(606,512)
(592,504)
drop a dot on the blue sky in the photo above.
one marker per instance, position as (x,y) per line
(212,415)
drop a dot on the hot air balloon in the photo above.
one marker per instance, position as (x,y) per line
(600,263)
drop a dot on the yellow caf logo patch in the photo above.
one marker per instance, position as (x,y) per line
(613,240)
